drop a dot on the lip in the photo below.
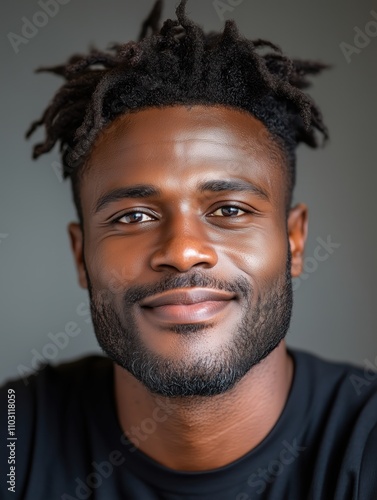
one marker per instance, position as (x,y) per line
(187,296)
(186,313)
(186,305)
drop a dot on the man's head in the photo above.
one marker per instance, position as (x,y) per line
(181,152)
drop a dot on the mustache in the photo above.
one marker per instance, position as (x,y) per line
(240,285)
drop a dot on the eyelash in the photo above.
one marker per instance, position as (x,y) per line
(117,219)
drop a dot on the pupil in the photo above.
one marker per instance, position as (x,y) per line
(135,217)
(230,209)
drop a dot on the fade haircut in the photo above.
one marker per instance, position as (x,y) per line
(179,64)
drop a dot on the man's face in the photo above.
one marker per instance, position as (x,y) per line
(185,230)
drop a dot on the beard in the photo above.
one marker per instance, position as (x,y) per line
(264,324)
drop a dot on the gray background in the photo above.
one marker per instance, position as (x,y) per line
(334,312)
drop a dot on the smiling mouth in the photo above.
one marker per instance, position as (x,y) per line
(187,313)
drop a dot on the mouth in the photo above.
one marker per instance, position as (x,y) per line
(187,313)
(187,305)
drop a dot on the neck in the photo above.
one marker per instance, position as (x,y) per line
(187,433)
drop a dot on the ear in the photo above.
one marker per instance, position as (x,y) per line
(77,240)
(297,232)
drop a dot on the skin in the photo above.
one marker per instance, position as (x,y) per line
(173,148)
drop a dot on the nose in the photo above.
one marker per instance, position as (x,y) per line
(183,244)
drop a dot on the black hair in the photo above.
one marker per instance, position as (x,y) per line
(174,64)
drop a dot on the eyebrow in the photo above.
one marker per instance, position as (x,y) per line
(149,191)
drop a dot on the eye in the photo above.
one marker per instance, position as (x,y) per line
(135,216)
(229,211)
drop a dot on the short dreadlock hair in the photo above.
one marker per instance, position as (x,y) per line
(179,64)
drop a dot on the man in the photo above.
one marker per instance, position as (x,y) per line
(181,153)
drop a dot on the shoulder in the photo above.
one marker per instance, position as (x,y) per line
(347,393)
(343,410)
(50,387)
(353,384)
(62,374)
(36,408)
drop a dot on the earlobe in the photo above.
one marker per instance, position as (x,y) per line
(297,233)
(77,240)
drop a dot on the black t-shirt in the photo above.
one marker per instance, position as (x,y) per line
(70,445)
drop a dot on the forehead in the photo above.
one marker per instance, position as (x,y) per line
(176,144)
(220,125)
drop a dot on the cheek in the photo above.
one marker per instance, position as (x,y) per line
(262,254)
(114,264)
